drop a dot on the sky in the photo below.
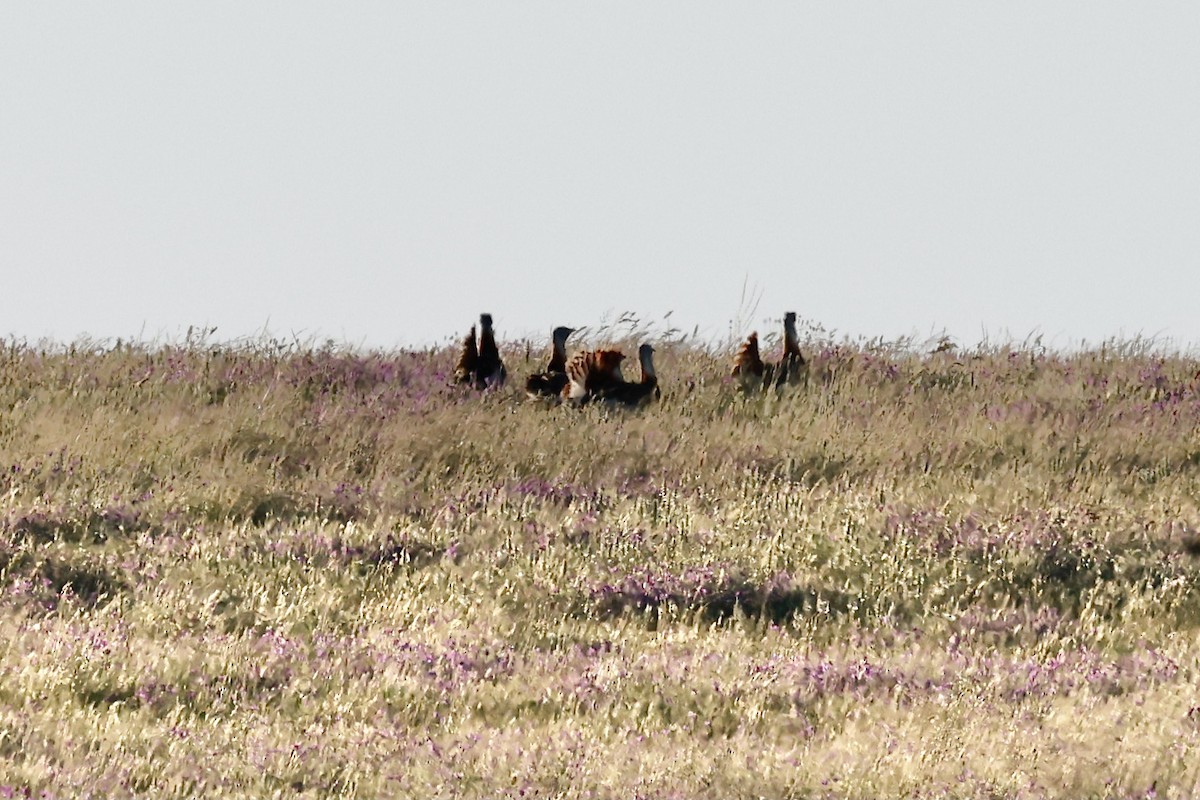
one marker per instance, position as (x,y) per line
(380,173)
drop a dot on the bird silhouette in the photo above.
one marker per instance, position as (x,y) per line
(550,383)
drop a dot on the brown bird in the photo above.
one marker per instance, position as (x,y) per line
(590,372)
(630,393)
(490,370)
(468,361)
(791,368)
(550,383)
(748,366)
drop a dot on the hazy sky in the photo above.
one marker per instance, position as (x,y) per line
(379,173)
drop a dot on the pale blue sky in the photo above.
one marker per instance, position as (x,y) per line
(379,173)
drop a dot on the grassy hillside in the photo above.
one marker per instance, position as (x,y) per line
(269,570)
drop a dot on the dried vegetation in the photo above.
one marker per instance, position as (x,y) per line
(275,570)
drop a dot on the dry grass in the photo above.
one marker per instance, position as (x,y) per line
(271,570)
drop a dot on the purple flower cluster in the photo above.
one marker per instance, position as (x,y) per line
(847,673)
(346,503)
(560,493)
(49,580)
(715,591)
(971,535)
(90,523)
(319,548)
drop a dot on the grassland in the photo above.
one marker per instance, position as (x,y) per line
(261,569)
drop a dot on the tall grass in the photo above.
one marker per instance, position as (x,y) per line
(273,569)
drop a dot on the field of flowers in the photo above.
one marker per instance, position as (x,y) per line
(270,569)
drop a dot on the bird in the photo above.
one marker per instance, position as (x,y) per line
(748,368)
(468,361)
(480,367)
(590,372)
(791,367)
(634,393)
(490,370)
(550,383)
(752,373)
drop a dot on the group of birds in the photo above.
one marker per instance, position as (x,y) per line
(595,375)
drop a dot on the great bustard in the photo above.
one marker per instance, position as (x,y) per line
(748,366)
(596,376)
(491,368)
(590,372)
(752,373)
(550,383)
(481,366)
(468,360)
(631,393)
(791,366)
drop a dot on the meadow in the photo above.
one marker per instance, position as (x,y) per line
(274,569)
